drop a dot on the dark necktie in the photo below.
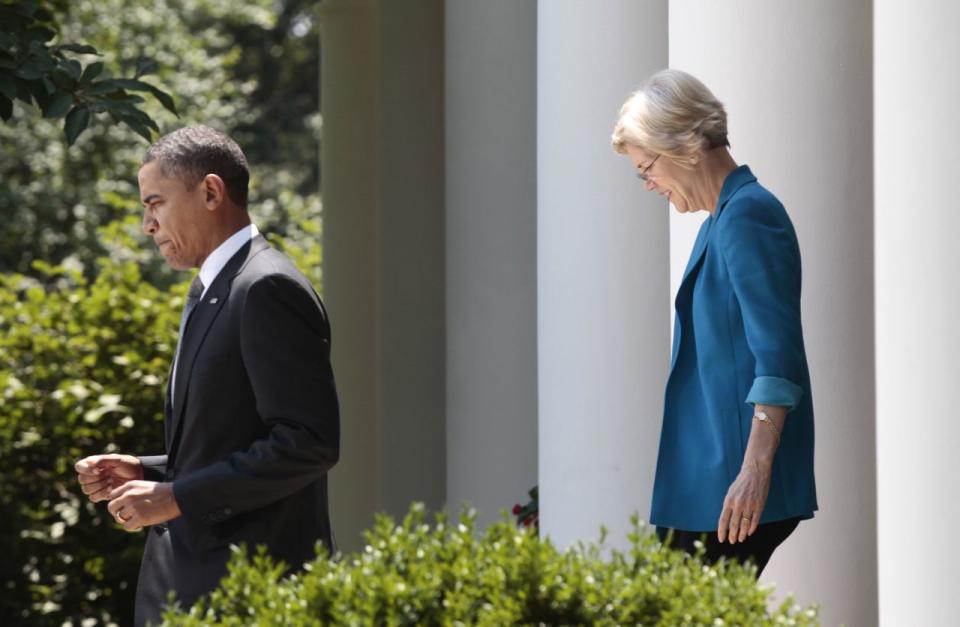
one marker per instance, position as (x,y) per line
(193,297)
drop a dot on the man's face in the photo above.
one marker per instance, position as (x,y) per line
(174,217)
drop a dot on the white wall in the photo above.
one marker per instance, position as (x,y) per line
(602,272)
(491,281)
(796,80)
(918,309)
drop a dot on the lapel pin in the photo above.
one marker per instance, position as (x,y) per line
(213,301)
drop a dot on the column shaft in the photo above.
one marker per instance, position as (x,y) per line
(918,309)
(491,253)
(796,81)
(602,262)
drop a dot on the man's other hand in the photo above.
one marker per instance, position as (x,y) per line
(137,504)
(99,474)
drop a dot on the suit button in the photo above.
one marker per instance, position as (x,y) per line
(227,511)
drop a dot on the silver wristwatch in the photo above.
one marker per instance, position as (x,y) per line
(765,418)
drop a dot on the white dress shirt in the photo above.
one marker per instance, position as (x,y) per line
(214,263)
(211,267)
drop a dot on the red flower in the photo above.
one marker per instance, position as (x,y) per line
(517,509)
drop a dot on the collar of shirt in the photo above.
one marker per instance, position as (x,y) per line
(215,261)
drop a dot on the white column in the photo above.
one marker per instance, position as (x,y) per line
(602,260)
(918,309)
(348,173)
(410,280)
(796,80)
(491,253)
(382,178)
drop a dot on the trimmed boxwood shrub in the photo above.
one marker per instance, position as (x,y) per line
(444,573)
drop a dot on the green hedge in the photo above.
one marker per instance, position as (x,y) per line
(445,573)
(82,370)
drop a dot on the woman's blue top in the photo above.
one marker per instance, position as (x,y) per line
(737,341)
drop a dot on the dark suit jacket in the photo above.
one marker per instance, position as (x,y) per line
(251,432)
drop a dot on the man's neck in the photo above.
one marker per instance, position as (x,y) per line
(224,230)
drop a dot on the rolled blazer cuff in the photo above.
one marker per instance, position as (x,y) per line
(154,467)
(775,391)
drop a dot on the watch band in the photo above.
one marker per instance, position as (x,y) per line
(765,418)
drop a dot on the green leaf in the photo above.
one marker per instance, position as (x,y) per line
(166,100)
(91,72)
(58,105)
(29,71)
(100,88)
(145,65)
(132,114)
(6,108)
(48,85)
(44,60)
(134,85)
(24,91)
(139,128)
(73,68)
(63,80)
(40,34)
(78,48)
(76,121)
(39,90)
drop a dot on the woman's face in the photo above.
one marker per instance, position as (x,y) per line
(665,177)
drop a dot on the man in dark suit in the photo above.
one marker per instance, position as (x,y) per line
(252,420)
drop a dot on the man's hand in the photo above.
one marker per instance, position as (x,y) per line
(137,504)
(99,474)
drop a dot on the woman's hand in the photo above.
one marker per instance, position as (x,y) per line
(744,503)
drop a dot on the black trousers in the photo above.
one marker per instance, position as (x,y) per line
(757,548)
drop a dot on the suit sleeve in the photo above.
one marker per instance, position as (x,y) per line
(285,344)
(154,467)
(763,261)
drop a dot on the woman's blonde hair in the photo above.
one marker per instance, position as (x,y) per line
(672,114)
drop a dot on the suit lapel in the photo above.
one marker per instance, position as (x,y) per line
(201,320)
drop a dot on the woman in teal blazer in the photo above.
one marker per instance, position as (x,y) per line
(736,446)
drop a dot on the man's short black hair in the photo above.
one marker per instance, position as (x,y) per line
(193,152)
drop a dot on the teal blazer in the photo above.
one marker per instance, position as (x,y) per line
(737,341)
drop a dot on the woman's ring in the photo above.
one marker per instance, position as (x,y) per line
(121,518)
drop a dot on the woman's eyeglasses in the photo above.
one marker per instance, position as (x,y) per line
(642,174)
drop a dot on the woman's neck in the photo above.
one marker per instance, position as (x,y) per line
(713,169)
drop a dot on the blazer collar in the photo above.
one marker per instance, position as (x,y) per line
(740,176)
(737,178)
(200,322)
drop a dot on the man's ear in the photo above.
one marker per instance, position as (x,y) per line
(215,191)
